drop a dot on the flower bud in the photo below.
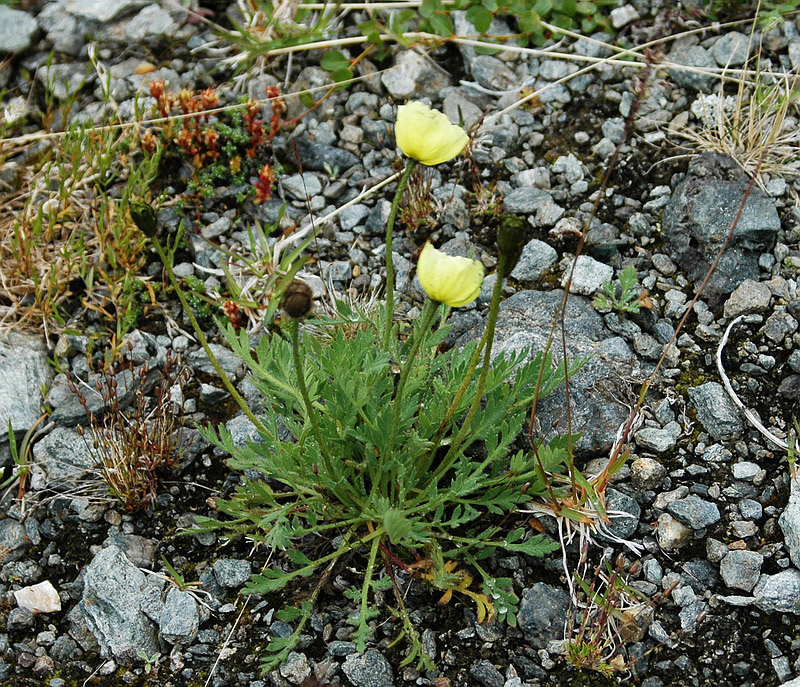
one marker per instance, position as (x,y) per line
(297,299)
(144,217)
(511,241)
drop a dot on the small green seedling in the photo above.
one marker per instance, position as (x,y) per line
(623,296)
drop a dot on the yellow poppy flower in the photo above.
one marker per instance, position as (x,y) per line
(427,135)
(448,279)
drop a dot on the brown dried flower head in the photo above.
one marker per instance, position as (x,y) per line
(298,299)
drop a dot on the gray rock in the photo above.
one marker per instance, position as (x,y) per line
(338,270)
(623,524)
(789,522)
(486,674)
(671,533)
(13,540)
(295,669)
(492,73)
(525,200)
(138,550)
(64,31)
(751,509)
(779,325)
(24,371)
(351,217)
(647,473)
(17,30)
(64,458)
(749,296)
(794,360)
(232,572)
(319,157)
(694,56)
(230,363)
(536,258)
(524,322)
(716,412)
(413,76)
(180,617)
(698,218)
(102,11)
(741,569)
(341,648)
(694,512)
(589,275)
(789,388)
(114,590)
(541,614)
(778,593)
(370,669)
(215,229)
(657,439)
(745,470)
(19,619)
(65,80)
(302,186)
(731,49)
(570,166)
(152,22)
(621,16)
(459,108)
(67,409)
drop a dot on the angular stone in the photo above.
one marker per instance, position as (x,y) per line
(695,512)
(524,322)
(741,569)
(113,592)
(180,617)
(536,258)
(413,76)
(541,614)
(671,533)
(778,593)
(370,669)
(589,275)
(17,30)
(64,458)
(102,11)
(24,371)
(716,412)
(749,296)
(39,598)
(698,219)
(658,440)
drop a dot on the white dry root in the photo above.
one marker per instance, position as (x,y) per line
(752,418)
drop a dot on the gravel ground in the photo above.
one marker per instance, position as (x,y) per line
(705,499)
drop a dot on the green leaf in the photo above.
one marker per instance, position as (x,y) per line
(397,525)
(341,76)
(429,7)
(480,17)
(566,7)
(334,60)
(585,7)
(442,25)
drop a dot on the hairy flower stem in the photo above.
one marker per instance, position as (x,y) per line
(488,335)
(167,262)
(401,185)
(428,313)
